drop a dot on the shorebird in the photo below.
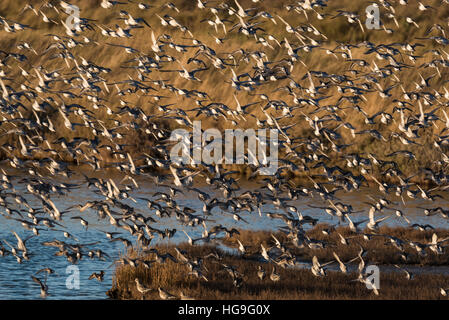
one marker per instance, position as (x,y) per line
(434,245)
(191,241)
(373,224)
(274,276)
(408,275)
(341,264)
(264,253)
(98,276)
(369,282)
(107,4)
(82,221)
(47,270)
(317,268)
(141,288)
(261,273)
(242,248)
(184,297)
(43,286)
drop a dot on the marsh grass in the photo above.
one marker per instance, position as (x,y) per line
(295,283)
(379,249)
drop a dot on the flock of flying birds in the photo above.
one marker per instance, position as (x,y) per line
(60,110)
